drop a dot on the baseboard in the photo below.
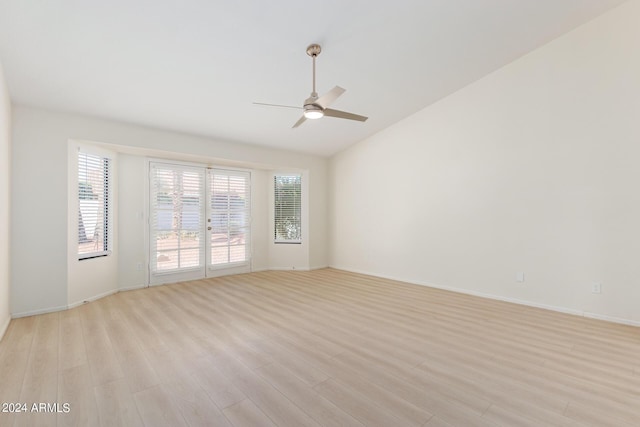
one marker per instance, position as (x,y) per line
(74,304)
(257,270)
(611,319)
(500,298)
(93,298)
(4,326)
(131,288)
(40,311)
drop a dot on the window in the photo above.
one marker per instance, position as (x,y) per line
(287,201)
(93,205)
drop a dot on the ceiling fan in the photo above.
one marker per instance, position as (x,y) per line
(316,107)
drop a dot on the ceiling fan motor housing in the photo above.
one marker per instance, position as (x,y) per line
(312,100)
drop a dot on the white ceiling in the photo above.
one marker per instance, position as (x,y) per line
(196,66)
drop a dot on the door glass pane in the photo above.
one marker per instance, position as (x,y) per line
(230,216)
(237,253)
(219,255)
(167,260)
(177,194)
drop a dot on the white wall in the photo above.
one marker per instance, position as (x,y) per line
(532,169)
(131,222)
(318,213)
(260,242)
(39,256)
(5,179)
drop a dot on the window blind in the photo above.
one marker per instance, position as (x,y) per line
(176,217)
(230,217)
(93,205)
(287,201)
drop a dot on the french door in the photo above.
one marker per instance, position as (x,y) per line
(199,222)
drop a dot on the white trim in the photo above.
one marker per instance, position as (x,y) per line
(229,168)
(4,327)
(611,319)
(132,288)
(147,221)
(258,270)
(40,311)
(501,298)
(75,304)
(198,164)
(177,271)
(231,265)
(170,162)
(93,298)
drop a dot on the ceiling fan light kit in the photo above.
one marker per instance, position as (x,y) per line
(316,107)
(313,112)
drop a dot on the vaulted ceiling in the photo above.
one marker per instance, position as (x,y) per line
(196,66)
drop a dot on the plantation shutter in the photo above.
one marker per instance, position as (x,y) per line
(93,205)
(288,202)
(230,217)
(177,212)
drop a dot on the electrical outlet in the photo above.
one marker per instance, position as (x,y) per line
(596,288)
(520,276)
(139,266)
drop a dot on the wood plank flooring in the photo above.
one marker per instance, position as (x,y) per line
(325,348)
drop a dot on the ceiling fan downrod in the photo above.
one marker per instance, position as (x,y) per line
(313,50)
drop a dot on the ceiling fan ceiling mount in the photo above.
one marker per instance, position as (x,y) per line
(314,50)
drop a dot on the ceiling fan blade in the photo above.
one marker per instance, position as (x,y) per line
(299,122)
(277,105)
(344,115)
(327,99)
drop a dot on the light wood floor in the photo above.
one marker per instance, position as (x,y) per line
(318,348)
